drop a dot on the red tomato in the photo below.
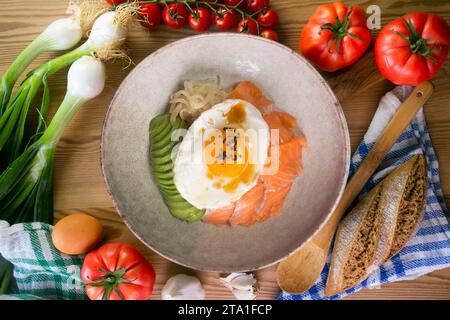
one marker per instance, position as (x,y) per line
(268,18)
(247,25)
(150,15)
(200,19)
(412,49)
(175,15)
(233,3)
(117,271)
(116,2)
(226,19)
(335,36)
(256,5)
(269,34)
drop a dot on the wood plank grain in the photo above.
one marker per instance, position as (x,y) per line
(79,185)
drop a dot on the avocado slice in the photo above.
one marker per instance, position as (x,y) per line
(158,124)
(164,159)
(163,135)
(164,177)
(190,215)
(168,188)
(161,146)
(163,167)
(165,150)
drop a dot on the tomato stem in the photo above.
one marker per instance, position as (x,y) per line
(110,280)
(417,43)
(340,30)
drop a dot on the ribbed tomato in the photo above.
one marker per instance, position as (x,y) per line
(117,271)
(413,48)
(335,36)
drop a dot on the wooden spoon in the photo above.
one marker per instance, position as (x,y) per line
(299,272)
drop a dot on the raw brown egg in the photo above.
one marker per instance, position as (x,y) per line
(77,233)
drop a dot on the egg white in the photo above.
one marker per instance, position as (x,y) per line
(191,171)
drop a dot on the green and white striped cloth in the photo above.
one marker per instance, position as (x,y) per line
(40,270)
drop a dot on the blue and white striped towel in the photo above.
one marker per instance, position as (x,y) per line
(429,249)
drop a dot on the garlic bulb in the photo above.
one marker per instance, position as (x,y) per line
(183,287)
(242,285)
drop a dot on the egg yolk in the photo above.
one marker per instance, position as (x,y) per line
(236,114)
(227,153)
(227,159)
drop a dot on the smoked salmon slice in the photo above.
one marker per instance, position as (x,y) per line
(287,120)
(219,216)
(272,203)
(289,166)
(245,211)
(249,92)
(277,121)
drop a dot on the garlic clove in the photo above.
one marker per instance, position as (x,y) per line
(244,294)
(183,287)
(242,285)
(243,282)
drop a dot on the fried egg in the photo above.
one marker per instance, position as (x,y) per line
(221,155)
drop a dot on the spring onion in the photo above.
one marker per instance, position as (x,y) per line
(26,192)
(6,274)
(107,35)
(61,34)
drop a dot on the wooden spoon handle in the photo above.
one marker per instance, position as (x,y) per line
(400,120)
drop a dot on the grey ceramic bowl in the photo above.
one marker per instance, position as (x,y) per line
(294,85)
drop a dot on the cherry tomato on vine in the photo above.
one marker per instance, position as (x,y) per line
(235,3)
(116,2)
(150,15)
(247,25)
(256,5)
(226,19)
(269,34)
(175,15)
(200,19)
(268,18)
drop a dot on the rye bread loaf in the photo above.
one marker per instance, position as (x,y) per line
(379,226)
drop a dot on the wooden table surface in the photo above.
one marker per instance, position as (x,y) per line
(79,185)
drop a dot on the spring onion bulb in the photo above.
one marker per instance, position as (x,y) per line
(107,35)
(59,35)
(26,192)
